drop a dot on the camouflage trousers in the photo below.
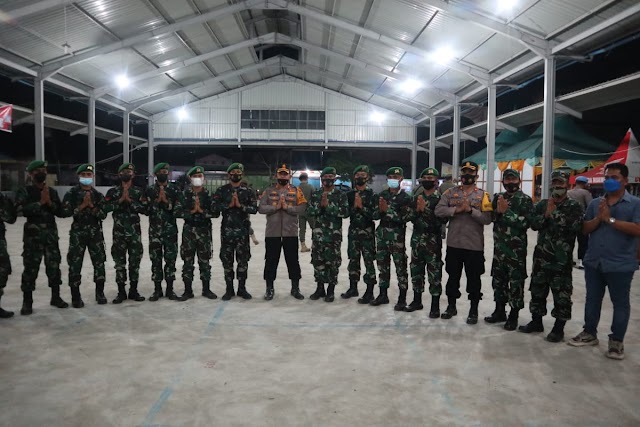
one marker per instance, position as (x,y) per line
(560,284)
(508,281)
(196,240)
(127,243)
(426,253)
(362,245)
(163,243)
(5,265)
(80,239)
(326,260)
(391,244)
(239,248)
(40,240)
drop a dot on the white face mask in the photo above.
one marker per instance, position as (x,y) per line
(197,182)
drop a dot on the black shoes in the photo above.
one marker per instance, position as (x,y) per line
(133,292)
(319,293)
(512,321)
(499,315)
(121,297)
(534,326)
(76,298)
(268,295)
(157,291)
(368,295)
(382,298)
(416,304)
(434,312)
(56,301)
(352,291)
(100,298)
(229,292)
(557,333)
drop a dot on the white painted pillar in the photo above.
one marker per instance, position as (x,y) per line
(125,137)
(150,154)
(91,130)
(38,116)
(548,131)
(432,142)
(456,141)
(414,158)
(491,138)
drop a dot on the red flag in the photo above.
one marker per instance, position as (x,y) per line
(6,113)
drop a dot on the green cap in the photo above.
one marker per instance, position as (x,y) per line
(430,171)
(361,168)
(511,172)
(36,164)
(328,171)
(126,166)
(395,171)
(163,165)
(194,170)
(559,174)
(233,166)
(87,167)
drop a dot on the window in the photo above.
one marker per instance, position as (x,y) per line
(282,119)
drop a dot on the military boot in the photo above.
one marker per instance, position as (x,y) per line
(352,291)
(367,297)
(157,291)
(319,293)
(100,298)
(56,301)
(206,292)
(188,291)
(133,292)
(451,309)
(382,298)
(557,333)
(170,294)
(534,326)
(472,318)
(304,248)
(512,321)
(330,289)
(434,312)
(499,315)
(122,294)
(416,304)
(76,298)
(268,295)
(27,303)
(402,300)
(242,289)
(295,290)
(230,292)
(5,314)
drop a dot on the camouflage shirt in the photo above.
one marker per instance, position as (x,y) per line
(88,216)
(361,219)
(510,228)
(399,211)
(28,203)
(426,222)
(235,221)
(125,213)
(328,220)
(162,214)
(187,202)
(7,213)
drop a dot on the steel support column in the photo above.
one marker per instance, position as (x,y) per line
(414,158)
(150,153)
(491,138)
(125,137)
(38,116)
(548,130)
(432,142)
(455,161)
(91,131)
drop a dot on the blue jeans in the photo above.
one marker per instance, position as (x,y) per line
(619,288)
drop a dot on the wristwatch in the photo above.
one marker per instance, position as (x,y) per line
(612,220)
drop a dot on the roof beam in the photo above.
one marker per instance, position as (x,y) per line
(40,6)
(570,111)
(505,126)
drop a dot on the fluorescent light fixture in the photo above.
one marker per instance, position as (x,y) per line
(506,5)
(182,113)
(122,81)
(443,55)
(410,86)
(377,116)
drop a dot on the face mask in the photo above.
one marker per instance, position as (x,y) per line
(197,182)
(125,178)
(393,183)
(611,185)
(162,177)
(283,182)
(86,181)
(468,179)
(40,177)
(361,181)
(428,185)
(328,182)
(558,192)
(511,188)
(235,177)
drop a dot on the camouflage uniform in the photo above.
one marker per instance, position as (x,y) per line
(8,215)
(196,234)
(163,232)
(362,237)
(390,237)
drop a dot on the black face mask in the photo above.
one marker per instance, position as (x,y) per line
(328,182)
(428,185)
(40,177)
(361,181)
(125,178)
(468,179)
(162,177)
(282,181)
(511,188)
(235,177)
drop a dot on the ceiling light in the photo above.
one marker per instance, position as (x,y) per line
(506,5)
(182,113)
(410,86)
(122,81)
(443,55)
(377,116)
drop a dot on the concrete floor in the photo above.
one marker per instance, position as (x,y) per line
(289,362)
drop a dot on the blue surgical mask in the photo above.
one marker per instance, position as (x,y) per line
(393,183)
(611,185)
(86,181)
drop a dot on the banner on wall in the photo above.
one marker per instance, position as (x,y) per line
(6,114)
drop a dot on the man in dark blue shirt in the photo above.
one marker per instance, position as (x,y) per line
(613,225)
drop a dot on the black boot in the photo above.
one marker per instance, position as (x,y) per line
(27,303)
(268,295)
(188,291)
(512,321)
(170,294)
(534,326)
(319,293)
(206,292)
(451,309)
(368,295)
(352,291)
(402,300)
(100,298)
(76,298)
(295,290)
(499,315)
(434,312)
(242,289)
(229,292)
(122,294)
(157,291)
(557,333)
(382,298)
(416,304)
(133,292)
(56,301)
(330,289)
(5,314)
(472,318)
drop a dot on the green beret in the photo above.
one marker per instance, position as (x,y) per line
(328,171)
(559,174)
(395,171)
(233,166)
(87,167)
(511,172)
(163,165)
(36,164)
(126,166)
(430,171)
(194,170)
(361,168)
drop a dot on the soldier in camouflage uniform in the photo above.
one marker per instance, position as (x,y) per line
(363,210)
(40,205)
(236,203)
(511,211)
(195,208)
(86,205)
(8,215)
(162,198)
(426,243)
(394,205)
(558,220)
(328,206)
(126,202)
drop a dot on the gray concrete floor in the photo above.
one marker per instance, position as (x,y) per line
(289,362)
